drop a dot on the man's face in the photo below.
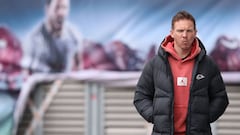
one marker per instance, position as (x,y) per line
(183,33)
(56,13)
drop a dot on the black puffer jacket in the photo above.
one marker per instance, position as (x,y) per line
(154,95)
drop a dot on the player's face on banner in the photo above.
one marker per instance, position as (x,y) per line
(57,11)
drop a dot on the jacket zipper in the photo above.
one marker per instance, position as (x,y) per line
(172,104)
(190,98)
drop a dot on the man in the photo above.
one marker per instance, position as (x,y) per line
(53,45)
(181,90)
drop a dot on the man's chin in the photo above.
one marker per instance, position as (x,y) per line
(187,47)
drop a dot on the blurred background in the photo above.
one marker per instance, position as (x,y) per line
(98,101)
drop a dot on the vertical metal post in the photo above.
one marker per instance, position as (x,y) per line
(38,99)
(94,109)
(94,98)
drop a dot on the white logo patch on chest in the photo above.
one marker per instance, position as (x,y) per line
(182,81)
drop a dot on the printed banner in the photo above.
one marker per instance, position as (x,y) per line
(122,35)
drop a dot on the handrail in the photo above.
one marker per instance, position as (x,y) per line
(107,78)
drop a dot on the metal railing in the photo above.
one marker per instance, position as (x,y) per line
(92,103)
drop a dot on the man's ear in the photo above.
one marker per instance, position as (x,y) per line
(196,32)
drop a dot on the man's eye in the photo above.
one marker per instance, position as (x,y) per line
(189,30)
(180,30)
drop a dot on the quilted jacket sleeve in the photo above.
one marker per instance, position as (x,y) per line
(218,96)
(143,98)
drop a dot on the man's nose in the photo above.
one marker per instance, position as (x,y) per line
(184,33)
(62,12)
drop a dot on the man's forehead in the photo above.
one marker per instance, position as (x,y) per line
(184,24)
(60,2)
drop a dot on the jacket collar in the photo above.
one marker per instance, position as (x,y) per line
(162,53)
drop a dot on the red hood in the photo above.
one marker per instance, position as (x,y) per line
(167,45)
